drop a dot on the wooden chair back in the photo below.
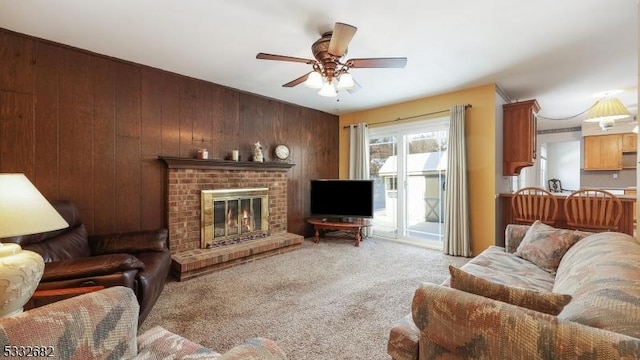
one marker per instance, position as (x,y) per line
(533,203)
(555,186)
(593,210)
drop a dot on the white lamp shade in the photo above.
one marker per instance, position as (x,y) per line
(314,81)
(23,209)
(609,109)
(328,90)
(346,81)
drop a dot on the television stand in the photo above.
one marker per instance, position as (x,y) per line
(333,224)
(334,220)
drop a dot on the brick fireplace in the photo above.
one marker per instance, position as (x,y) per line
(188,178)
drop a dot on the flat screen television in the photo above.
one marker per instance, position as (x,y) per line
(341,198)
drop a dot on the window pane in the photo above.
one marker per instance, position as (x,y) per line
(425,174)
(383,170)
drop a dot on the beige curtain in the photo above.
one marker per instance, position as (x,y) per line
(359,156)
(359,151)
(456,220)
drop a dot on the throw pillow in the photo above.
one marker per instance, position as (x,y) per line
(541,301)
(545,246)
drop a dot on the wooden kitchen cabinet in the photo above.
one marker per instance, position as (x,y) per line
(630,142)
(519,136)
(603,152)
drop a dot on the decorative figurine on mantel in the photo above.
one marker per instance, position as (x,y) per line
(257,152)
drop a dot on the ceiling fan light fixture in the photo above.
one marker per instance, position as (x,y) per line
(607,109)
(328,90)
(314,80)
(329,64)
(346,82)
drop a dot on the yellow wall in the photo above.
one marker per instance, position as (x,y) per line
(481,149)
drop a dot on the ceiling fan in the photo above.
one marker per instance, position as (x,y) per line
(330,72)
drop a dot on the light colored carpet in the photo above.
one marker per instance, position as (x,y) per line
(329,300)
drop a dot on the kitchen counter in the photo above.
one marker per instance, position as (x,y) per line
(565,194)
(618,191)
(626,225)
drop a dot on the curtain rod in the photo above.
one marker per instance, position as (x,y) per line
(466,107)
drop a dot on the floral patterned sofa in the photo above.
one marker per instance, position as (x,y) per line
(549,294)
(103,325)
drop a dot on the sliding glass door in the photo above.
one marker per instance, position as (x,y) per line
(383,169)
(408,166)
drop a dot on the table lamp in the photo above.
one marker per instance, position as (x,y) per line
(23,211)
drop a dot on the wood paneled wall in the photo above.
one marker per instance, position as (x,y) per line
(90,128)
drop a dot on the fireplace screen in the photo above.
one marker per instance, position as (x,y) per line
(231,216)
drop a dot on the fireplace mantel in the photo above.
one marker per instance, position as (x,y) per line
(218,164)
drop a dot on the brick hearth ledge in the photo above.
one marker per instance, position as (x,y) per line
(191,263)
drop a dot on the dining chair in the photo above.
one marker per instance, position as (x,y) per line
(593,210)
(533,203)
(555,186)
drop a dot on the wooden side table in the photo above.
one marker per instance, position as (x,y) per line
(355,226)
(44,297)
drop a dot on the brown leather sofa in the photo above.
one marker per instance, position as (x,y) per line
(139,260)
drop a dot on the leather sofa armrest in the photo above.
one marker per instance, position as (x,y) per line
(90,266)
(129,242)
(457,324)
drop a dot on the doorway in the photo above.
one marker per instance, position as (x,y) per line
(408,166)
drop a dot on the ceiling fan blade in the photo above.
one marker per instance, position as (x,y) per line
(395,62)
(355,88)
(264,56)
(340,39)
(297,81)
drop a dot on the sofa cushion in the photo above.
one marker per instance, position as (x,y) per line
(542,301)
(513,235)
(602,273)
(545,246)
(502,267)
(66,243)
(133,242)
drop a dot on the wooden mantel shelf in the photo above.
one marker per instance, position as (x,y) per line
(187,163)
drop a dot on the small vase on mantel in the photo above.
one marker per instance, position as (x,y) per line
(202,154)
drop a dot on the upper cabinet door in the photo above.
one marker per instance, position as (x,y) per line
(603,152)
(630,142)
(519,136)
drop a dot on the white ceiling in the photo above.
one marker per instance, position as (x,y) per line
(559,52)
